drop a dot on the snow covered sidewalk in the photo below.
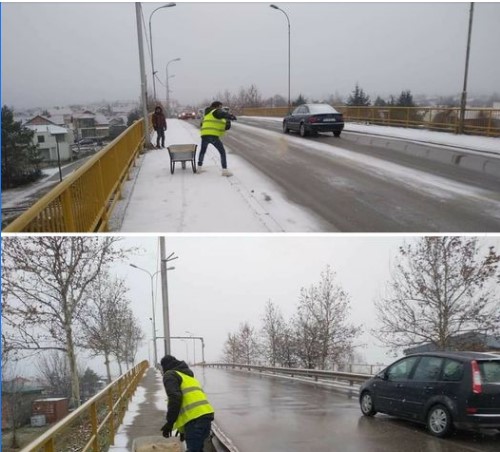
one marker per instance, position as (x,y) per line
(158,201)
(145,413)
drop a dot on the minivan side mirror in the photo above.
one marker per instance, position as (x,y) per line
(382,375)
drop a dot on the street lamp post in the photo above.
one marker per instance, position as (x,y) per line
(463,100)
(168,90)
(288,20)
(151,275)
(168,5)
(56,134)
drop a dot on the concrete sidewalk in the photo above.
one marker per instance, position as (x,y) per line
(154,200)
(146,414)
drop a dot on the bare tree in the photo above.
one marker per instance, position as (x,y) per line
(243,346)
(132,339)
(273,329)
(322,322)
(232,351)
(17,399)
(46,279)
(55,372)
(103,309)
(248,344)
(440,287)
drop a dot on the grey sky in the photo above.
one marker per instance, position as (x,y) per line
(61,53)
(220,282)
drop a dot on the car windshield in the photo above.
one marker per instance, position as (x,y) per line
(321,108)
(490,371)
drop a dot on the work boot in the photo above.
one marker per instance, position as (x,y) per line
(226,173)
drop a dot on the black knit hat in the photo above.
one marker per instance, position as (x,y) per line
(216,104)
(168,362)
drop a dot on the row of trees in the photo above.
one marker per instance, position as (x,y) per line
(444,291)
(58,295)
(318,335)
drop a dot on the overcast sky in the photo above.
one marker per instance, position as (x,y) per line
(220,282)
(62,53)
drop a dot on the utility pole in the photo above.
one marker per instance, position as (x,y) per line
(164,290)
(164,293)
(144,97)
(463,101)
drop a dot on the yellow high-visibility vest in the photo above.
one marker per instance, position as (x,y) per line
(213,126)
(194,401)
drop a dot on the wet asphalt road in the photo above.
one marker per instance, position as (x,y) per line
(359,188)
(263,414)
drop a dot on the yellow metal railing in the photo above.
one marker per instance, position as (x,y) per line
(83,202)
(92,426)
(478,121)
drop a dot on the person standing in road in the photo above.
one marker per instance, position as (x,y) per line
(213,126)
(160,125)
(188,411)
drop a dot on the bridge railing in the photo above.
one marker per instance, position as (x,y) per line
(478,121)
(348,378)
(83,202)
(92,426)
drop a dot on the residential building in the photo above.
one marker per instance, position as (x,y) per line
(51,139)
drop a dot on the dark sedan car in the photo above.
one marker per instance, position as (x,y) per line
(443,390)
(313,118)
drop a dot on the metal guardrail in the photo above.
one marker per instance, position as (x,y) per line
(478,121)
(83,202)
(93,425)
(316,375)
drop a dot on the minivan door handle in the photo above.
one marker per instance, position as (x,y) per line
(429,388)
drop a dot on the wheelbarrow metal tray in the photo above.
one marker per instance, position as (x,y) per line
(182,153)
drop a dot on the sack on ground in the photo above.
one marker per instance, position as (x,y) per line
(157,444)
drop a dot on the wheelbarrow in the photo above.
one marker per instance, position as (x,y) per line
(182,153)
(157,444)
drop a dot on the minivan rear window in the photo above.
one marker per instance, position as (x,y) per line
(490,371)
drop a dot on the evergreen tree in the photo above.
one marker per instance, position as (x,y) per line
(299,101)
(20,157)
(358,98)
(133,116)
(379,102)
(406,99)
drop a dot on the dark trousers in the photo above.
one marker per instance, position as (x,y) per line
(196,432)
(217,143)
(160,135)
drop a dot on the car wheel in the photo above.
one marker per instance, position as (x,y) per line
(366,404)
(302,130)
(439,421)
(336,134)
(285,128)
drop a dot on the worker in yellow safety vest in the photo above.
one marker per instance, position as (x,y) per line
(188,411)
(213,126)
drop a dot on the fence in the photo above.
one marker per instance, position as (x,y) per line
(348,378)
(93,425)
(478,121)
(83,202)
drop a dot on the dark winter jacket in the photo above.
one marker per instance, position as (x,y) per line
(159,120)
(219,113)
(172,383)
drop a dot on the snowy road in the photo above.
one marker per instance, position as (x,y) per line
(359,188)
